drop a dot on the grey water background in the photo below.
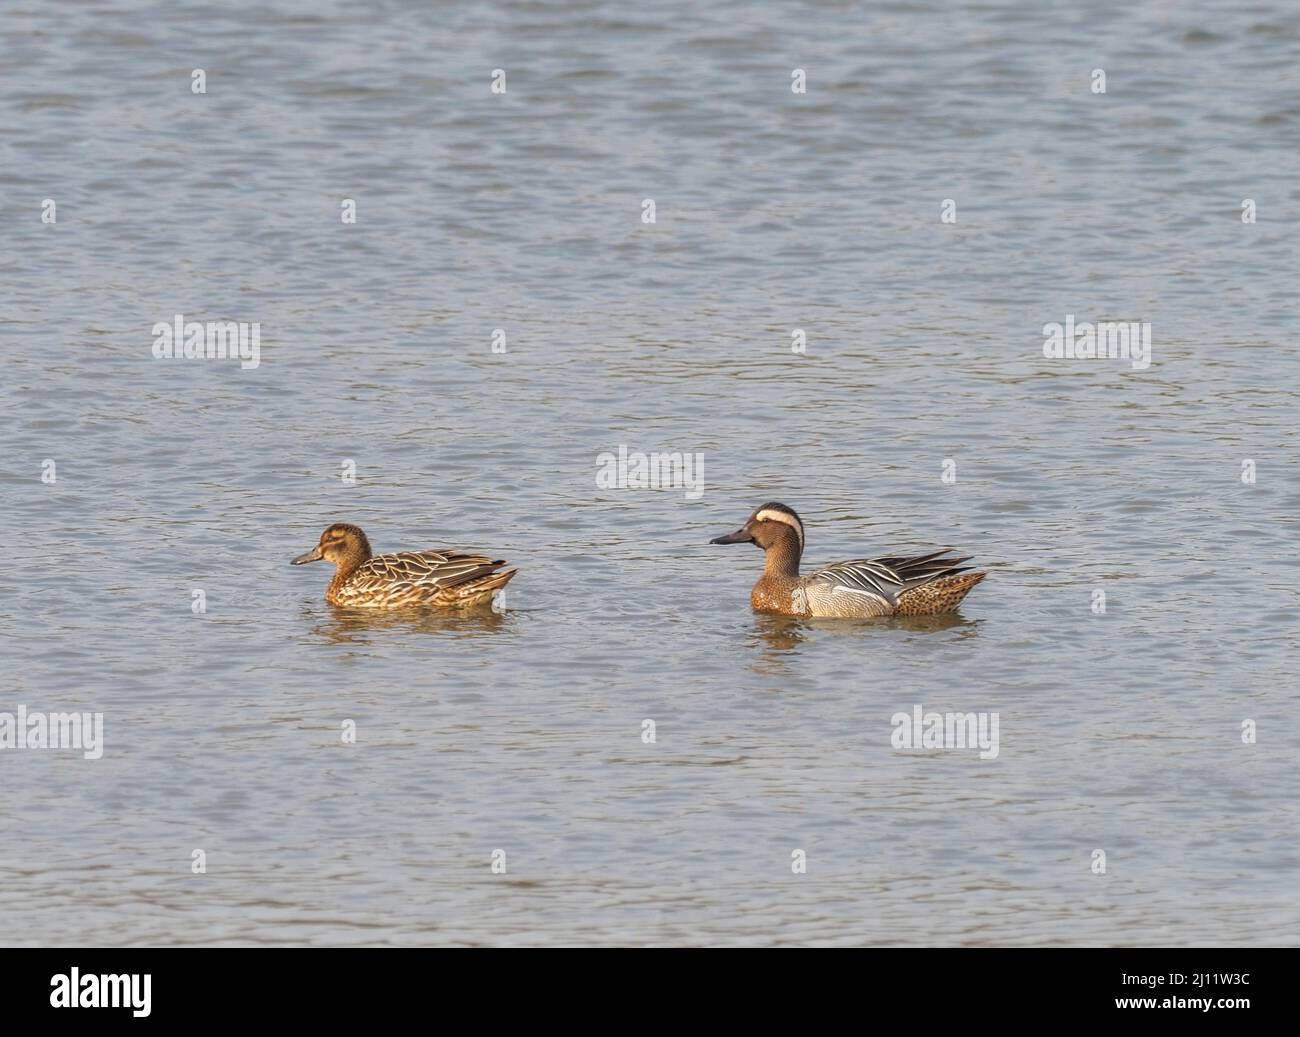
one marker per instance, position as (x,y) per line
(521,731)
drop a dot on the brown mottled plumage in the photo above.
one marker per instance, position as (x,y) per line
(922,585)
(442,579)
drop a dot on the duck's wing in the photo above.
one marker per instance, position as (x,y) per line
(918,569)
(884,579)
(870,578)
(437,570)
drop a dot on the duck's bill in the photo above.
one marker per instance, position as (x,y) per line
(313,555)
(738,537)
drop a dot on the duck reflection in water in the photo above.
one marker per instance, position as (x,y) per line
(366,626)
(784,634)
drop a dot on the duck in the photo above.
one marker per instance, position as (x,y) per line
(441,579)
(919,585)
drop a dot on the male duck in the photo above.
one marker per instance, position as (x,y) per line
(924,585)
(445,579)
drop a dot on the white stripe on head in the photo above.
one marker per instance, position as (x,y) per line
(772,515)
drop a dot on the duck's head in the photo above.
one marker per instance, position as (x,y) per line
(771,525)
(341,544)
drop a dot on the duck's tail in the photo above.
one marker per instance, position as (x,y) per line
(939,595)
(479,591)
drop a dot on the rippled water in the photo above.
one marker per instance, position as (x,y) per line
(522,211)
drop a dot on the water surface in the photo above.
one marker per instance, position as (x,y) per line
(522,731)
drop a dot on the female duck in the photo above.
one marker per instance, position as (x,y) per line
(924,585)
(444,579)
